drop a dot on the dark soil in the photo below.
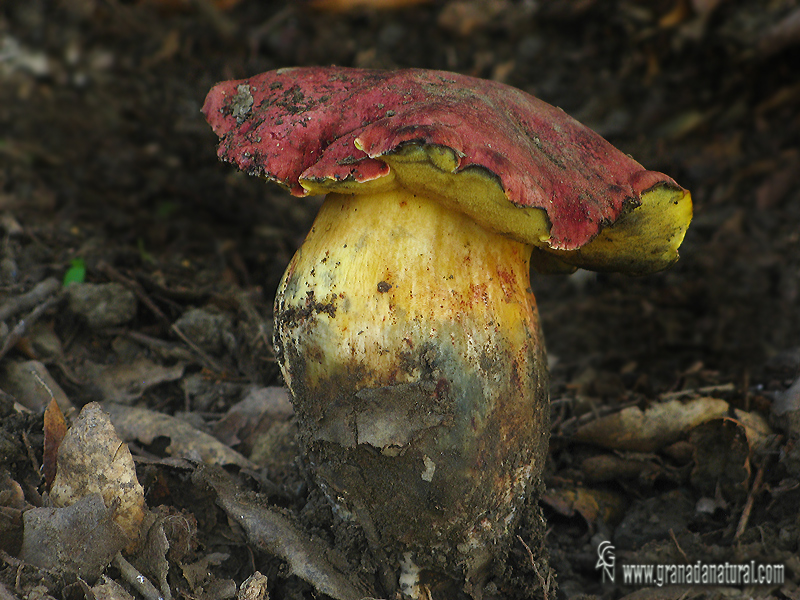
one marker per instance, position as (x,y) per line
(106,159)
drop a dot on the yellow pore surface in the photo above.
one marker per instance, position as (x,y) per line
(385,272)
(644,240)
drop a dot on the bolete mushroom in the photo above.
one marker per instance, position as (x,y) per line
(405,325)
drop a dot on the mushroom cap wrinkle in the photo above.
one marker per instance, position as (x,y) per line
(505,158)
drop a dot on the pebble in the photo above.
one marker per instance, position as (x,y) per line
(205,328)
(102,305)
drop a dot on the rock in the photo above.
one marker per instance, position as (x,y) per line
(206,328)
(102,305)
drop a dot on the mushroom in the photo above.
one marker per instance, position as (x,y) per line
(405,325)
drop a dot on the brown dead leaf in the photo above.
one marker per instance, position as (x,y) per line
(273,530)
(262,427)
(607,467)
(649,430)
(185,440)
(127,382)
(12,505)
(756,429)
(32,385)
(198,573)
(592,505)
(55,428)
(151,556)
(108,589)
(93,459)
(254,588)
(243,418)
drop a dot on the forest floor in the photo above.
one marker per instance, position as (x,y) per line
(675,421)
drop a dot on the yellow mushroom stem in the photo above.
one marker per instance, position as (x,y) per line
(409,338)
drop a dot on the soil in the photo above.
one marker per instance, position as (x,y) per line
(107,164)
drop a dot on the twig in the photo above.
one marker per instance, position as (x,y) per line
(701,391)
(16,334)
(31,453)
(38,294)
(136,288)
(142,295)
(210,362)
(166,347)
(678,546)
(597,413)
(748,505)
(138,581)
(545,583)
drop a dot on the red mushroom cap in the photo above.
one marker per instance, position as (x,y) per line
(335,123)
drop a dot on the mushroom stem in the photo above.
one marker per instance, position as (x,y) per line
(409,339)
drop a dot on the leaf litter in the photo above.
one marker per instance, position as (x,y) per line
(706,91)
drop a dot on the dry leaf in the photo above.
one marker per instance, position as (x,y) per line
(151,557)
(82,538)
(592,505)
(756,428)
(254,588)
(32,386)
(243,418)
(185,441)
(93,459)
(12,505)
(606,467)
(127,382)
(55,428)
(651,429)
(269,529)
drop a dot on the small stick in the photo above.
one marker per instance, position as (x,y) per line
(678,546)
(39,293)
(140,293)
(545,583)
(136,288)
(709,389)
(206,358)
(748,506)
(138,581)
(16,334)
